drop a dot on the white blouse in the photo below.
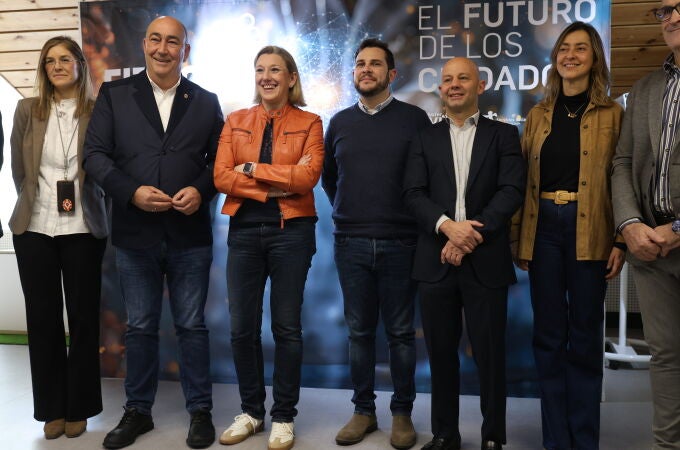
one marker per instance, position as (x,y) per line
(46,218)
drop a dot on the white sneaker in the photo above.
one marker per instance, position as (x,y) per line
(243,427)
(282,436)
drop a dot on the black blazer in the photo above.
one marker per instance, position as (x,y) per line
(126,147)
(495,190)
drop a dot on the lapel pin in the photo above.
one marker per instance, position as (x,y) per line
(186,96)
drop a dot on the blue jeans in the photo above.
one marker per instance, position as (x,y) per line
(141,280)
(568,301)
(375,277)
(284,255)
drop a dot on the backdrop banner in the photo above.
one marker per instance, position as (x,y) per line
(509,40)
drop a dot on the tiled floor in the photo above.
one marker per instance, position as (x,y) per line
(626,415)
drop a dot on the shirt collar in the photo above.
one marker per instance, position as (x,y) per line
(157,88)
(377,108)
(670,68)
(472,120)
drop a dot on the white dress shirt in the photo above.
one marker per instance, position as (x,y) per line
(462,139)
(164,100)
(46,218)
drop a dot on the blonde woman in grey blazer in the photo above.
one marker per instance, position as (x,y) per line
(59,228)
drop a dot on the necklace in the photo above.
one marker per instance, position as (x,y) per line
(65,150)
(572,115)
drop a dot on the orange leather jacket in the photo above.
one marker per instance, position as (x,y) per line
(296,133)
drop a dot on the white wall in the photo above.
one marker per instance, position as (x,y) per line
(12,311)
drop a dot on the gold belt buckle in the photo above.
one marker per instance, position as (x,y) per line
(558,197)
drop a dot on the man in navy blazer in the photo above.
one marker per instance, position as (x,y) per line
(151,145)
(465,177)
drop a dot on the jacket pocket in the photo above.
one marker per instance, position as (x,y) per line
(294,135)
(241,135)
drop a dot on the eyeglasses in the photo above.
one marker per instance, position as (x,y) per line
(63,61)
(665,12)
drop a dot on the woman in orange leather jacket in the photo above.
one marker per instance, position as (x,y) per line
(268,160)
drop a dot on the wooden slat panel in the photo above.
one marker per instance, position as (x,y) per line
(639,56)
(634,13)
(32,40)
(19,60)
(13,5)
(40,20)
(26,92)
(637,35)
(20,78)
(616,91)
(627,76)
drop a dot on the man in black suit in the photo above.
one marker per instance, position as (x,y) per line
(465,178)
(151,145)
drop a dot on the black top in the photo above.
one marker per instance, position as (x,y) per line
(253,211)
(561,150)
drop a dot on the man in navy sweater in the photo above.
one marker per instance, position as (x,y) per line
(375,237)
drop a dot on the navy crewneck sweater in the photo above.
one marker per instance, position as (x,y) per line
(363,169)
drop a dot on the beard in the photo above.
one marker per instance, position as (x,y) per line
(380,86)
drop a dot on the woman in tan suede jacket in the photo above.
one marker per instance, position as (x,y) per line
(567,235)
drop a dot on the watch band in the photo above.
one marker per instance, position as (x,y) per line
(675,226)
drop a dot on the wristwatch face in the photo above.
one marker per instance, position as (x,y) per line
(248,168)
(675,226)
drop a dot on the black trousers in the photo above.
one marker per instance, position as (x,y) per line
(66,384)
(442,306)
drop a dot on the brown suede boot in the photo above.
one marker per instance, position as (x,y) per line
(403,434)
(75,429)
(355,430)
(54,428)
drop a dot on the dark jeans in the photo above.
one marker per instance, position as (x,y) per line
(284,255)
(187,272)
(567,297)
(375,276)
(65,384)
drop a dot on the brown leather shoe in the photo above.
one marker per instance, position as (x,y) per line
(355,430)
(75,429)
(403,434)
(54,428)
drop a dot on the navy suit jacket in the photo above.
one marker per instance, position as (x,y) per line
(126,147)
(494,191)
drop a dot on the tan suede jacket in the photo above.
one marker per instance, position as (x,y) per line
(595,230)
(296,133)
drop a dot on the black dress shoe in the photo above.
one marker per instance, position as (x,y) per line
(130,426)
(201,430)
(491,445)
(442,444)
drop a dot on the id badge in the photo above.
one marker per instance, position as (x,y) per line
(66,198)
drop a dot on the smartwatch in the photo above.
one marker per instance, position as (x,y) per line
(675,226)
(248,169)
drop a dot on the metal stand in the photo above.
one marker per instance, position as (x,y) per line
(622,351)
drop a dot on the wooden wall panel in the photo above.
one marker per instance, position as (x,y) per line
(26,92)
(46,19)
(638,47)
(634,13)
(639,56)
(19,60)
(32,40)
(627,76)
(637,35)
(20,78)
(14,5)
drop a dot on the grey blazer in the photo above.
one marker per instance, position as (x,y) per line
(26,142)
(634,164)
